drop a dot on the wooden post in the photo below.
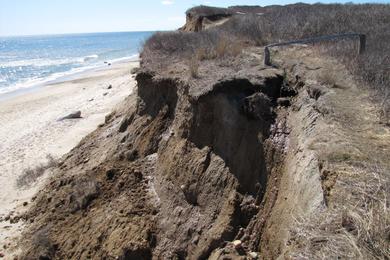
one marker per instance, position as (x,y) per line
(267,57)
(362,44)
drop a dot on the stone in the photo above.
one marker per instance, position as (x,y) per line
(237,244)
(284,102)
(109,86)
(25,203)
(73,115)
(253,255)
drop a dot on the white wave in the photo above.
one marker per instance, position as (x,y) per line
(34,62)
(90,57)
(128,58)
(47,62)
(37,81)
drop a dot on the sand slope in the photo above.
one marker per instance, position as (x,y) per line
(30,130)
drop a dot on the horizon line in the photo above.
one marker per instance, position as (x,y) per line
(75,33)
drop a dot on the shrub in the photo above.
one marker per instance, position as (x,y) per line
(290,22)
(203,10)
(30,175)
(193,67)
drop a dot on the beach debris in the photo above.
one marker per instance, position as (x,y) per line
(92,99)
(108,63)
(1,255)
(237,244)
(284,102)
(105,93)
(253,255)
(25,203)
(73,115)
(109,86)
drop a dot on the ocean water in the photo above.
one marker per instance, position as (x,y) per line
(29,61)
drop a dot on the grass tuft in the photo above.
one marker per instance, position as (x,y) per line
(30,175)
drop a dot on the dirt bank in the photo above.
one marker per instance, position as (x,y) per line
(186,166)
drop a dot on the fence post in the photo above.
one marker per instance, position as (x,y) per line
(362,44)
(267,61)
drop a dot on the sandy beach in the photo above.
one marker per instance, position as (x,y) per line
(30,130)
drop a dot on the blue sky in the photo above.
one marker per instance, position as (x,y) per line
(29,17)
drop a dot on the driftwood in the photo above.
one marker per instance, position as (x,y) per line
(362,43)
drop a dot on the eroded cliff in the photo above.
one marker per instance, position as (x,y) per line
(242,152)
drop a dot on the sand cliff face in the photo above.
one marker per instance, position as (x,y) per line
(182,168)
(169,175)
(197,23)
(186,166)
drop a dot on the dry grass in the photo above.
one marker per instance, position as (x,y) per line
(328,78)
(30,175)
(296,21)
(357,228)
(193,66)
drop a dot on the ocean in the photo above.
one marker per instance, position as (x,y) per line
(29,61)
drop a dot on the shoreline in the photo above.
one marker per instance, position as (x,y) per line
(67,76)
(30,130)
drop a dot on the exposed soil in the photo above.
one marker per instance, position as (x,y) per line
(186,166)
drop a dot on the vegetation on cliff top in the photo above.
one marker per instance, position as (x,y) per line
(281,23)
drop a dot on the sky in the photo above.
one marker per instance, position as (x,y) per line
(39,17)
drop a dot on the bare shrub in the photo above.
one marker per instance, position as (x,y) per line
(30,175)
(250,27)
(193,66)
(326,77)
(205,54)
(222,47)
(290,22)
